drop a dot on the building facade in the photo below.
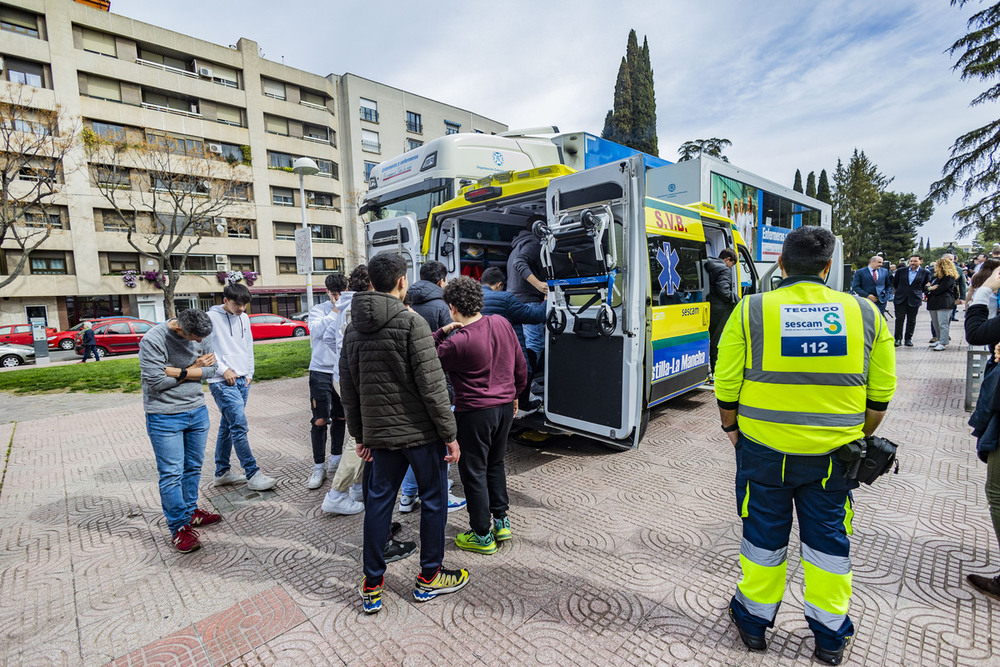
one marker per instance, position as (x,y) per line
(121,78)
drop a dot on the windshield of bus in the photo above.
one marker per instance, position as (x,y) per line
(418,205)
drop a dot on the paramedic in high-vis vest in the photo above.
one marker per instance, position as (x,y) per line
(802,371)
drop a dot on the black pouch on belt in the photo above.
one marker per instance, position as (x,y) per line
(880,457)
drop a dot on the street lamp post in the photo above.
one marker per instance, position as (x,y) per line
(304,166)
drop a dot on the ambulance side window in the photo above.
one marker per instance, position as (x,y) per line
(675,270)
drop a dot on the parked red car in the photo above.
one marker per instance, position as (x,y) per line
(264,325)
(117,337)
(66,340)
(20,334)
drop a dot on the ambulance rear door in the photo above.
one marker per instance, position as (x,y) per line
(398,235)
(593,248)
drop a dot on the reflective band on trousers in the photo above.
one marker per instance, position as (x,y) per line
(803,418)
(828,620)
(758,609)
(755,554)
(826,562)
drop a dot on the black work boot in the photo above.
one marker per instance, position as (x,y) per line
(990,586)
(830,657)
(752,642)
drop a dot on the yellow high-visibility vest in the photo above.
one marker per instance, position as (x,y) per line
(802,363)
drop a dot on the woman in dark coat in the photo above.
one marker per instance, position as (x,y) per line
(941,300)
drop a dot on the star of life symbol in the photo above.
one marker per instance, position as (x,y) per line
(498,158)
(669,279)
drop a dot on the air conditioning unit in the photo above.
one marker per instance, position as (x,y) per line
(205,72)
(311,197)
(1,63)
(220,226)
(215,148)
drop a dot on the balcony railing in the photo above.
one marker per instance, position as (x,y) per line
(179,112)
(371,115)
(416,128)
(313,105)
(318,140)
(166,68)
(373,146)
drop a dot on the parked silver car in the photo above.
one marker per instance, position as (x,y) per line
(16,355)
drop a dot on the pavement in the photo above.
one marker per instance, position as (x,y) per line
(617,557)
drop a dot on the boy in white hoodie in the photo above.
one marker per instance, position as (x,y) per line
(230,387)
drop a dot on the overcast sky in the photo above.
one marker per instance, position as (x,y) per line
(794,85)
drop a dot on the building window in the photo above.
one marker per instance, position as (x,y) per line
(36,219)
(370,142)
(316,133)
(165,102)
(312,99)
(166,61)
(225,76)
(327,234)
(228,115)
(241,263)
(369,110)
(282,196)
(48,264)
(121,262)
(113,221)
(284,231)
(229,152)
(368,169)
(113,177)
(451,127)
(413,143)
(275,89)
(319,199)
(108,131)
(37,175)
(194,263)
(276,125)
(14,20)
(279,161)
(176,143)
(287,265)
(328,168)
(103,89)
(327,264)
(99,42)
(24,72)
(414,123)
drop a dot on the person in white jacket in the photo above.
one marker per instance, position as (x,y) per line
(230,387)
(327,412)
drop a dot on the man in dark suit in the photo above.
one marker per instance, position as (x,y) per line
(873,283)
(910,285)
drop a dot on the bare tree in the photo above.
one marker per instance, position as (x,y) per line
(168,195)
(33,143)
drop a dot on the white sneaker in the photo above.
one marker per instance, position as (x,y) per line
(338,502)
(455,503)
(317,477)
(938,347)
(332,463)
(408,503)
(229,477)
(261,482)
(357,493)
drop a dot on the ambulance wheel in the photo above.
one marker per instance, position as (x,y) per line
(556,322)
(606,320)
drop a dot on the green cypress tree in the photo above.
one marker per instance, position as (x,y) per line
(644,103)
(798,181)
(621,118)
(811,185)
(823,189)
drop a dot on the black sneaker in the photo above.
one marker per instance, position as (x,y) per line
(990,586)
(395,550)
(899,343)
(908,343)
(830,657)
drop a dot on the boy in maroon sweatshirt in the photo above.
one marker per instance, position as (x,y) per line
(488,371)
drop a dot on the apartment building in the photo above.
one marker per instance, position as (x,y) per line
(123,78)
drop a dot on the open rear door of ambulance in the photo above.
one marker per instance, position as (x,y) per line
(593,247)
(398,235)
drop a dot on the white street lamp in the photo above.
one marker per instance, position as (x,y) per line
(303,247)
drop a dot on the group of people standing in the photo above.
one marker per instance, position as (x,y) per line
(943,287)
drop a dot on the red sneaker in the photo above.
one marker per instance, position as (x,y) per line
(203,518)
(186,540)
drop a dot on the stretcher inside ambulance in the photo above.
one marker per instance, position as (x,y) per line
(627,310)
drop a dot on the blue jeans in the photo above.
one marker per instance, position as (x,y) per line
(409,487)
(179,445)
(534,338)
(233,426)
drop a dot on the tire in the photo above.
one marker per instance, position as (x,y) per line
(298,332)
(10,361)
(102,352)
(66,344)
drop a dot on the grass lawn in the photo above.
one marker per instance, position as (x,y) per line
(273,361)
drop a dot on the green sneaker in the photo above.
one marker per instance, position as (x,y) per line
(481,544)
(443,581)
(501,529)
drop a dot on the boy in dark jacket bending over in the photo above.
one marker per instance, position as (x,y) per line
(398,411)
